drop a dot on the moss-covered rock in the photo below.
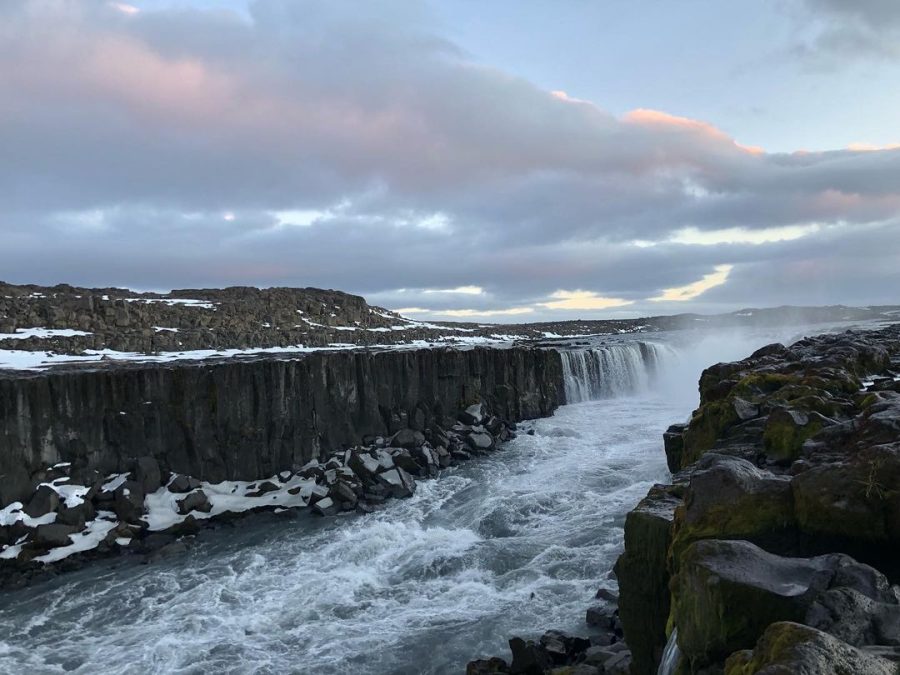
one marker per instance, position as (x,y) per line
(727,592)
(643,576)
(841,499)
(788,648)
(730,498)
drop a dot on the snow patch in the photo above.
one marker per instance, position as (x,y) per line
(23,333)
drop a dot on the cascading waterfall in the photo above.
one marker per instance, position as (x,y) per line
(611,370)
(670,656)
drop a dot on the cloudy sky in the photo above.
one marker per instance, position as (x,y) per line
(502,160)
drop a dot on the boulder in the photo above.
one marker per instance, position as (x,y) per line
(715,577)
(407,438)
(53,535)
(15,485)
(730,498)
(480,441)
(408,463)
(528,658)
(788,648)
(194,501)
(146,472)
(364,465)
(77,515)
(44,500)
(181,483)
(128,501)
(341,493)
(398,482)
(487,666)
(472,415)
(324,507)
(855,618)
(618,664)
(786,430)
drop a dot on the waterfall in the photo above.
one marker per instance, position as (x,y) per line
(611,370)
(671,655)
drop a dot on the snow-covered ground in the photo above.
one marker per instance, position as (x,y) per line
(24,333)
(18,359)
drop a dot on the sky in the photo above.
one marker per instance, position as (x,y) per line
(499,161)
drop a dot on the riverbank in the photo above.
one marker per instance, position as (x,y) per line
(774,545)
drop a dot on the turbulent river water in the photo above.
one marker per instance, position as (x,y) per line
(510,544)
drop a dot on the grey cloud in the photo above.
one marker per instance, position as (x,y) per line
(163,121)
(852,29)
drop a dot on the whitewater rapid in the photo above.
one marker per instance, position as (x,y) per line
(509,544)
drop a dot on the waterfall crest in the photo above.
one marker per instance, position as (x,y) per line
(611,370)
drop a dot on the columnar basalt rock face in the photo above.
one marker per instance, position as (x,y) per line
(793,453)
(247,419)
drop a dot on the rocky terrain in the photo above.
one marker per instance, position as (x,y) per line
(75,514)
(774,549)
(113,323)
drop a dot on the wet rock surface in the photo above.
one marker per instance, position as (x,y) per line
(773,549)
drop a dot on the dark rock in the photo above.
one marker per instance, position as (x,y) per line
(729,497)
(673,442)
(408,438)
(341,492)
(602,616)
(744,409)
(45,500)
(264,488)
(487,666)
(146,472)
(716,576)
(398,482)
(528,658)
(15,485)
(597,655)
(194,501)
(325,507)
(643,574)
(620,664)
(128,501)
(480,441)
(405,461)
(787,647)
(364,466)
(608,595)
(472,415)
(181,484)
(53,535)
(77,515)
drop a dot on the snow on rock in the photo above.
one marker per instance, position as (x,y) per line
(24,333)
(114,481)
(72,495)
(14,513)
(226,497)
(90,538)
